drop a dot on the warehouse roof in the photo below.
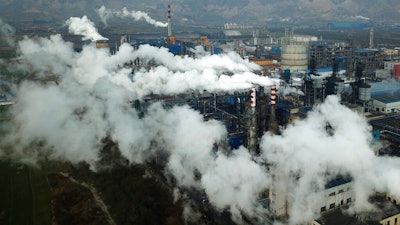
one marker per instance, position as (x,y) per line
(384,87)
(365,50)
(389,97)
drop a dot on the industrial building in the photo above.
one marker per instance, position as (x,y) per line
(386,102)
(383,97)
(337,193)
(387,128)
(249,114)
(393,69)
(387,213)
(371,58)
(325,52)
(316,69)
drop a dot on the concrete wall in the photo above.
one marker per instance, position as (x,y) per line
(393,220)
(337,196)
(386,107)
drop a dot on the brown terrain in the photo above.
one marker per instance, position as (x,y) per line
(73,203)
(121,195)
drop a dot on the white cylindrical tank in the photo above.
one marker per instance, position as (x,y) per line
(294,57)
(318,83)
(364,93)
(339,86)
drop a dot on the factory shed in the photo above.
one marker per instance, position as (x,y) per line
(385,97)
(387,102)
(387,213)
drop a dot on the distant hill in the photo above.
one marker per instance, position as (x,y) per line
(211,12)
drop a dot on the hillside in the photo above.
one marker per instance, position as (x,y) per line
(207,12)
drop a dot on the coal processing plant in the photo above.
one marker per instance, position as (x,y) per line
(174,121)
(304,74)
(309,71)
(249,113)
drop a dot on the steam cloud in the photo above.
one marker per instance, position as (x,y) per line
(105,14)
(83,26)
(89,102)
(7,32)
(310,151)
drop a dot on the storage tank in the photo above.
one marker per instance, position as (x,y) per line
(318,83)
(294,57)
(364,93)
(339,86)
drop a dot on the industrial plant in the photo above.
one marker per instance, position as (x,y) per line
(305,70)
(291,78)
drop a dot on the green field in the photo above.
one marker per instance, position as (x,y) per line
(24,195)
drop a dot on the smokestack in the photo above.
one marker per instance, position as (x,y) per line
(273,96)
(273,124)
(253,99)
(371,38)
(252,140)
(169,21)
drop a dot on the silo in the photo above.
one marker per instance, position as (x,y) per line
(364,93)
(318,83)
(294,57)
(339,86)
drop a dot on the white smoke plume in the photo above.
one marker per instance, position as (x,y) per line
(307,152)
(85,27)
(90,102)
(68,120)
(106,14)
(288,90)
(360,17)
(7,32)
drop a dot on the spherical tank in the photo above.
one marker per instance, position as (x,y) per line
(294,57)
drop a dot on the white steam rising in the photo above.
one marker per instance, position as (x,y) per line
(361,17)
(90,102)
(85,27)
(105,14)
(310,151)
(7,32)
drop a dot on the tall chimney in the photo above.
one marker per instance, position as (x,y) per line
(273,96)
(273,124)
(371,38)
(252,132)
(253,99)
(169,21)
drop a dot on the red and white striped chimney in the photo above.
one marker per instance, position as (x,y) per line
(253,98)
(273,96)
